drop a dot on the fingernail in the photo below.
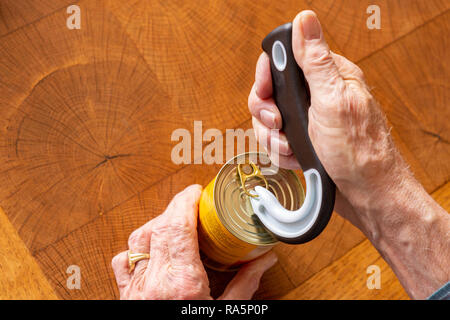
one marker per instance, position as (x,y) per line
(310,26)
(267,118)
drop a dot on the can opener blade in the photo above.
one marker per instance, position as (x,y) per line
(291,94)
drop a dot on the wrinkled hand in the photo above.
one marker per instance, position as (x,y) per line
(174,270)
(346,127)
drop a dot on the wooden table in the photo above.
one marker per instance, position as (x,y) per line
(86,118)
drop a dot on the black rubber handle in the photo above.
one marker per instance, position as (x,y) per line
(291,94)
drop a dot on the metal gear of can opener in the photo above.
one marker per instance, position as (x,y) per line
(291,94)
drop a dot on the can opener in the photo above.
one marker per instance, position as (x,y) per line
(291,95)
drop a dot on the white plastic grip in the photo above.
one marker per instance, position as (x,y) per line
(286,223)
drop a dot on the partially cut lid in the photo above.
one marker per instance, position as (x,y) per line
(233,203)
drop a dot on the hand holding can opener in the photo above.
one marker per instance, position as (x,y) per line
(291,95)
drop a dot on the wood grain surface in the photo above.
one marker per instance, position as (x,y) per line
(347,279)
(21,277)
(86,118)
(15,14)
(345,20)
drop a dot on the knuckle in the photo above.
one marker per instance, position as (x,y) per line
(357,71)
(179,226)
(163,230)
(178,202)
(181,197)
(160,229)
(256,104)
(178,196)
(136,238)
(318,56)
(352,68)
(115,262)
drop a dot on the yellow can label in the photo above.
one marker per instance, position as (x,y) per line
(216,242)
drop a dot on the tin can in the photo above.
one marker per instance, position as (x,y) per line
(229,232)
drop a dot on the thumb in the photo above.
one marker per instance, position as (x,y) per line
(246,281)
(313,55)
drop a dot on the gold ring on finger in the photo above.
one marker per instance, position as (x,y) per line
(133,258)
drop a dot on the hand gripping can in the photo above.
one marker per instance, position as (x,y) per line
(229,232)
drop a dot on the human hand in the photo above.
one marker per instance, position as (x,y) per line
(375,189)
(346,127)
(174,270)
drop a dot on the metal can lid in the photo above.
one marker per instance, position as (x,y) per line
(233,205)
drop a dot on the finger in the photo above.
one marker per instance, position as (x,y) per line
(313,55)
(271,139)
(263,77)
(119,265)
(246,282)
(264,110)
(187,199)
(139,242)
(278,149)
(139,239)
(182,230)
(347,69)
(159,248)
(286,162)
(169,233)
